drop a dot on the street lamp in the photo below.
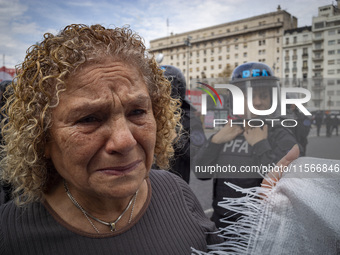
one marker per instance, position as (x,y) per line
(188,44)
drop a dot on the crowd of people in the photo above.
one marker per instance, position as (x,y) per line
(90,122)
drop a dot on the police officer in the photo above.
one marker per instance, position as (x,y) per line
(241,146)
(192,136)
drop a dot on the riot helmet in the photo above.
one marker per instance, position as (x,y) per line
(177,79)
(260,89)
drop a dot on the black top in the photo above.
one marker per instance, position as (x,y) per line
(171,222)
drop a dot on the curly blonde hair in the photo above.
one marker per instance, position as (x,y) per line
(36,92)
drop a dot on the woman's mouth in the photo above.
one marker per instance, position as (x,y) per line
(120,170)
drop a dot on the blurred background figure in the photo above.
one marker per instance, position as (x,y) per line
(318,121)
(301,130)
(334,123)
(192,135)
(328,122)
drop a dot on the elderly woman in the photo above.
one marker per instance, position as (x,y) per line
(89,114)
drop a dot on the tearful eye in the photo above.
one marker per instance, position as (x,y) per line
(138,112)
(88,119)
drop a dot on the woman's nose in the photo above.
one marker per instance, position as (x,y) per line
(120,138)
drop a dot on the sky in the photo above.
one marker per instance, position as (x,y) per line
(23,22)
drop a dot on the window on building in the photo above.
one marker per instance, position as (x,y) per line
(219,57)
(331,71)
(331,42)
(331,52)
(228,56)
(245,45)
(331,62)
(236,46)
(211,67)
(197,69)
(295,39)
(219,66)
(330,93)
(245,54)
(318,25)
(204,60)
(212,59)
(331,32)
(318,35)
(287,40)
(331,82)
(197,61)
(304,64)
(236,55)
(318,46)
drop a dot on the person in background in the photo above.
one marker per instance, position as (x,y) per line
(334,123)
(328,122)
(89,114)
(243,146)
(318,121)
(192,136)
(301,130)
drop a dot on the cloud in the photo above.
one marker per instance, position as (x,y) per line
(25,21)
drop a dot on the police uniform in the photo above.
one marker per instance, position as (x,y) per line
(241,161)
(192,136)
(240,154)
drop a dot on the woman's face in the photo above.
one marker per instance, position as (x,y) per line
(103,132)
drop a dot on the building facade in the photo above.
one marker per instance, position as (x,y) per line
(297,63)
(311,58)
(213,52)
(326,57)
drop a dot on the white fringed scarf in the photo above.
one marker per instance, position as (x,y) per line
(300,214)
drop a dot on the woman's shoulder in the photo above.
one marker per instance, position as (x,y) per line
(167,178)
(11,210)
(165,182)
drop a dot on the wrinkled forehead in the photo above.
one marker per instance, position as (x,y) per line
(121,77)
